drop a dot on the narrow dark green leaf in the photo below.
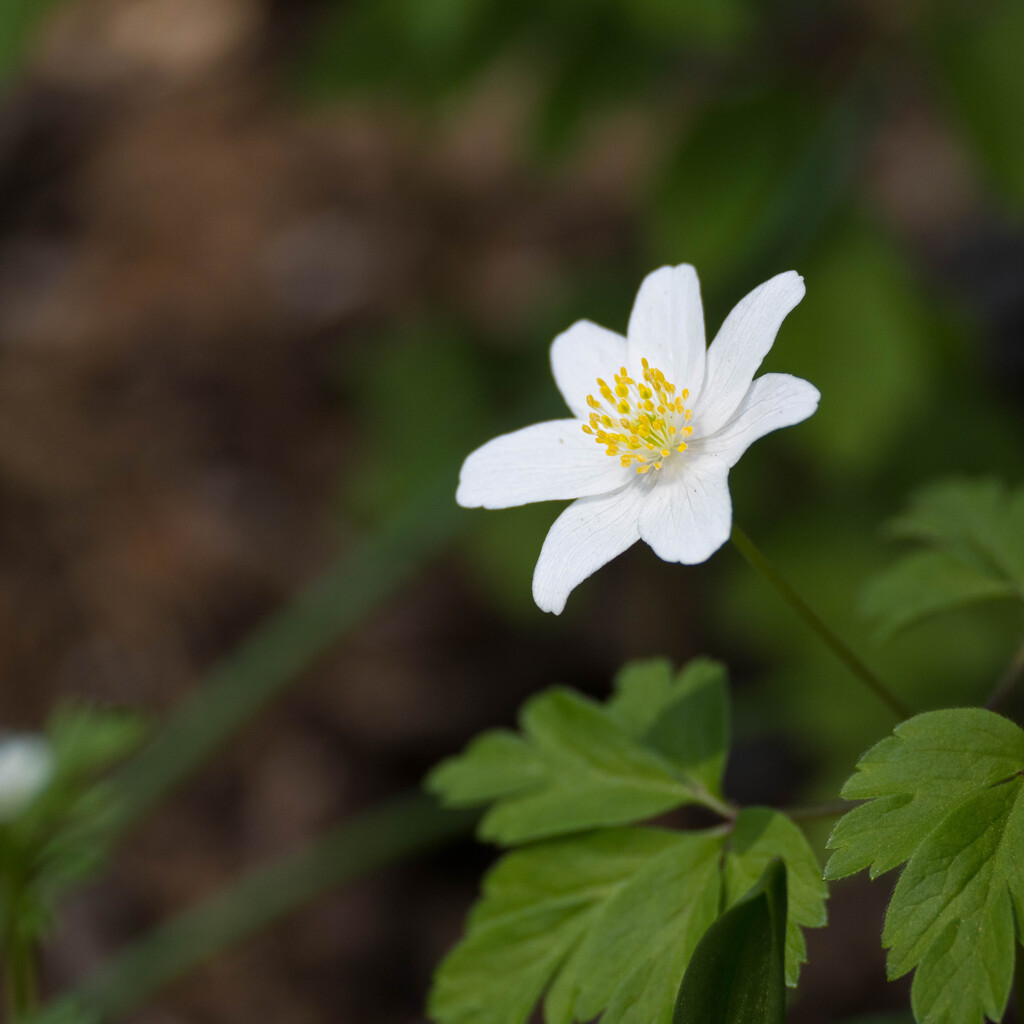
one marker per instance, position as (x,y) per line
(737,972)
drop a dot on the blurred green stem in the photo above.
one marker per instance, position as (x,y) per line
(1008,681)
(753,555)
(409,824)
(287,645)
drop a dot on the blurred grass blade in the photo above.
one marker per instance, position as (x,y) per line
(284,647)
(408,824)
(737,972)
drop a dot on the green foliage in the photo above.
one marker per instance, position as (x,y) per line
(759,836)
(973,536)
(584,54)
(737,973)
(944,795)
(541,907)
(659,744)
(716,196)
(604,923)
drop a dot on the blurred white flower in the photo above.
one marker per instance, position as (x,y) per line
(26,766)
(659,420)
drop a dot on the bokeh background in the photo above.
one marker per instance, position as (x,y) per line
(270,268)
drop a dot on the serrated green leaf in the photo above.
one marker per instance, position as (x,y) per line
(494,765)
(974,534)
(575,769)
(685,717)
(759,836)
(736,975)
(945,794)
(633,958)
(540,902)
(951,915)
(930,764)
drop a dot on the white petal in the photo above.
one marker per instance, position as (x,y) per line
(667,326)
(548,461)
(582,354)
(589,533)
(774,400)
(740,347)
(688,516)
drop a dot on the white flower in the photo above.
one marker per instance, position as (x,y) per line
(26,766)
(659,419)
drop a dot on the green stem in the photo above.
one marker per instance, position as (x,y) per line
(279,651)
(707,799)
(753,555)
(1007,681)
(407,825)
(829,810)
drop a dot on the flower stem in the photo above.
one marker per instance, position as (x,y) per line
(1007,681)
(814,812)
(753,555)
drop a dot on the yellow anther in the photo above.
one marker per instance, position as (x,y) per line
(686,392)
(689,414)
(637,417)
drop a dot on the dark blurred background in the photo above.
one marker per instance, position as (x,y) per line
(267,269)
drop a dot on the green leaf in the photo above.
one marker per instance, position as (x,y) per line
(760,836)
(587,772)
(685,717)
(737,973)
(603,921)
(973,532)
(659,743)
(944,795)
(930,764)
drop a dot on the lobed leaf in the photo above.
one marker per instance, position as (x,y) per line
(945,795)
(659,743)
(760,836)
(539,903)
(973,533)
(684,716)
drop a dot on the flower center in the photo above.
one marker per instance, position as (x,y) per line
(642,422)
